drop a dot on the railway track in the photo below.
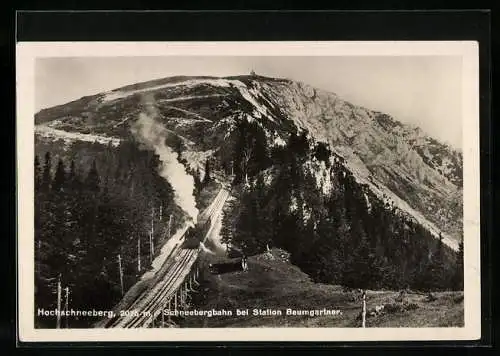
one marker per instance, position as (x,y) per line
(173,273)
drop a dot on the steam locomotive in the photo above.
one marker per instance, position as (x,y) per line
(194,235)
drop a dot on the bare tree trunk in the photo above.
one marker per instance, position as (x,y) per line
(58,315)
(363,313)
(151,247)
(121,272)
(247,153)
(152,233)
(66,305)
(169,226)
(138,253)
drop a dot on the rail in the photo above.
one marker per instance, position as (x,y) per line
(180,272)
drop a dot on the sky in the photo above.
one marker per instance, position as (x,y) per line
(425,91)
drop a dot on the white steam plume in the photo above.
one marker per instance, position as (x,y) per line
(152,134)
(205,249)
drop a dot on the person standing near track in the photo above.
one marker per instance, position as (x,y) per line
(244,264)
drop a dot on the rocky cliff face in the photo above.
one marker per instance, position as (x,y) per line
(422,176)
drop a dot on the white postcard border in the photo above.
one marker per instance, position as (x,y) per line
(26,54)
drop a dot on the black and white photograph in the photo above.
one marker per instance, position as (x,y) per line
(249,188)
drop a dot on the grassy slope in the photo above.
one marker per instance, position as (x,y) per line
(272,282)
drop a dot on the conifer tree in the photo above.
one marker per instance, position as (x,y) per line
(47,177)
(435,273)
(245,225)
(458,276)
(326,250)
(197,180)
(92,181)
(207,178)
(38,173)
(229,217)
(263,221)
(73,179)
(78,226)
(58,184)
(357,271)
(322,153)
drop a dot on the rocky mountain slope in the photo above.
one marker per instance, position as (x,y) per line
(421,176)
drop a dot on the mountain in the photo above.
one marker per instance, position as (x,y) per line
(419,175)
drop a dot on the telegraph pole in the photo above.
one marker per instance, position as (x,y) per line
(121,271)
(195,277)
(58,315)
(169,226)
(66,305)
(169,308)
(151,247)
(151,236)
(181,295)
(363,313)
(138,253)
(152,219)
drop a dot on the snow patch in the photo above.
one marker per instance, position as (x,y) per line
(278,141)
(368,204)
(197,159)
(121,122)
(293,204)
(188,113)
(321,174)
(191,97)
(249,94)
(114,95)
(69,137)
(307,215)
(183,121)
(249,118)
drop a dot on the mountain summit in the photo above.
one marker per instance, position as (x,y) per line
(399,163)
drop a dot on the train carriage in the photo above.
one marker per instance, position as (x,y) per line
(195,235)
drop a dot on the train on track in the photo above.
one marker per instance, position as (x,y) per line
(196,234)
